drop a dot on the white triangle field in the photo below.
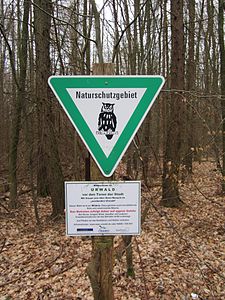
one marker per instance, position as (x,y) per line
(90,109)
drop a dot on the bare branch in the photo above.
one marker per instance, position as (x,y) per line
(2,31)
(63,22)
(125,29)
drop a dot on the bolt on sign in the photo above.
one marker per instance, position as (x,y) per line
(106,111)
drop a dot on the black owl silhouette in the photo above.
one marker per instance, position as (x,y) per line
(107,120)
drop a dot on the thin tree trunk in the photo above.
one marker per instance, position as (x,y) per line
(190,87)
(127,239)
(222,75)
(16,122)
(3,128)
(42,73)
(97,32)
(116,36)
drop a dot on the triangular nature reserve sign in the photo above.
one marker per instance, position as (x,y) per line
(106,111)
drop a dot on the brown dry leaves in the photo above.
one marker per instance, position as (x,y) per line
(180,252)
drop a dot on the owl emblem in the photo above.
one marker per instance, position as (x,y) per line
(107,120)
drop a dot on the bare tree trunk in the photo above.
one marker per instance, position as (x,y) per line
(19,102)
(116,36)
(170,192)
(51,171)
(3,118)
(127,239)
(222,76)
(165,70)
(29,132)
(97,32)
(190,87)
(43,71)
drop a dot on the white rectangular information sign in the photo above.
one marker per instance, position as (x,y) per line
(103,208)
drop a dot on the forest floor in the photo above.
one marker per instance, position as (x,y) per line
(180,253)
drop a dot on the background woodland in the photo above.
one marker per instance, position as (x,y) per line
(183,134)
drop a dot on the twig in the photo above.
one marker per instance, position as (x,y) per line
(9,282)
(50,263)
(71,266)
(3,245)
(207,198)
(2,205)
(22,192)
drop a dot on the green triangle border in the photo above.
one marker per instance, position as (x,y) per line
(153,85)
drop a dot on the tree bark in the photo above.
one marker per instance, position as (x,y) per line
(97,32)
(170,188)
(19,102)
(222,76)
(48,161)
(191,71)
(3,113)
